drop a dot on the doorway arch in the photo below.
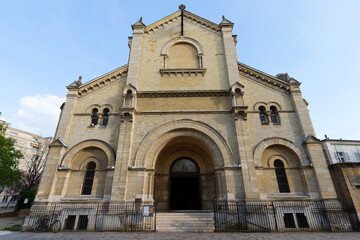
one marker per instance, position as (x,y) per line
(184,185)
(172,176)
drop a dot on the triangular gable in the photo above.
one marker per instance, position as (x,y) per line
(264,78)
(103,80)
(188,16)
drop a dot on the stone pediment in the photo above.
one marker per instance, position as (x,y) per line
(264,78)
(188,16)
(59,142)
(102,81)
(311,139)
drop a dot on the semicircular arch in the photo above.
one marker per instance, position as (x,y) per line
(92,143)
(267,142)
(191,41)
(155,140)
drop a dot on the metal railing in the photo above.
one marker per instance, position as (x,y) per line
(281,216)
(95,217)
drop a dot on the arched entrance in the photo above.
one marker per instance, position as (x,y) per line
(184,185)
(184,178)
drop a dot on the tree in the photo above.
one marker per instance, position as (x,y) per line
(9,159)
(34,164)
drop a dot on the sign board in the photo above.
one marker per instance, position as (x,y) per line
(148,211)
(26,200)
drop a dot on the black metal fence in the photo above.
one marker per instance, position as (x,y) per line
(95,217)
(281,216)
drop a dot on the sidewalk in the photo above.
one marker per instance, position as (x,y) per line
(5,235)
(10,222)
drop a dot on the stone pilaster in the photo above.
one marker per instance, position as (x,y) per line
(230,51)
(47,183)
(122,158)
(135,52)
(326,185)
(301,109)
(66,114)
(246,156)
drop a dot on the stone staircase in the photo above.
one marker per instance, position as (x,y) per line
(200,221)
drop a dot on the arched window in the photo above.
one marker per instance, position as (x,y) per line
(262,114)
(183,55)
(128,99)
(274,115)
(105,117)
(94,116)
(281,176)
(89,178)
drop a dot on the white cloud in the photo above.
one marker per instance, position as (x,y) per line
(39,114)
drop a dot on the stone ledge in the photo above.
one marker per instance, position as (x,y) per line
(174,72)
(288,195)
(88,198)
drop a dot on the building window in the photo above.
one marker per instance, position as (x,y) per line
(274,115)
(289,220)
(13,134)
(302,220)
(94,117)
(105,117)
(340,156)
(89,178)
(281,176)
(262,114)
(35,148)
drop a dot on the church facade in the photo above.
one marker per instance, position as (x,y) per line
(184,124)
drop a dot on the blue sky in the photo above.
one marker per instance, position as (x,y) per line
(45,45)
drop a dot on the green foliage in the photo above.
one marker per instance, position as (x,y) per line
(9,159)
(30,195)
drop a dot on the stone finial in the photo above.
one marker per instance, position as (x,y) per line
(226,22)
(182,7)
(76,83)
(79,80)
(138,24)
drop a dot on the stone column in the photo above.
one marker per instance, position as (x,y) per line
(148,187)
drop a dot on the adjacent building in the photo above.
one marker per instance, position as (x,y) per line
(34,149)
(343,157)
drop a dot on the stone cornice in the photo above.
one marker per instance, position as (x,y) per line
(263,78)
(160,24)
(187,93)
(102,81)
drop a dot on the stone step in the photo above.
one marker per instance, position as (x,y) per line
(185,222)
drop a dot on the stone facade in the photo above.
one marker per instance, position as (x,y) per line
(185,97)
